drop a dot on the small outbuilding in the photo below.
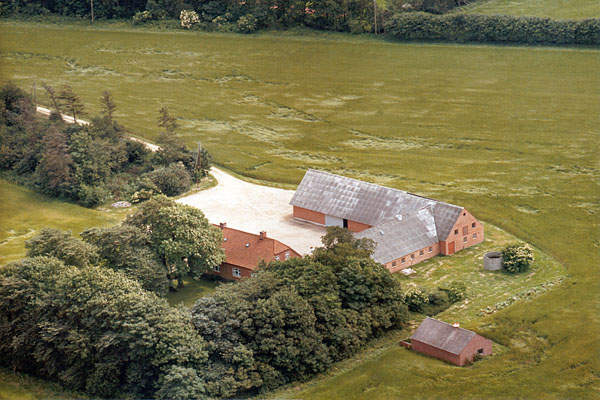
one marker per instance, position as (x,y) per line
(450,343)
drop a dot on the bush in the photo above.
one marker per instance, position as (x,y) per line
(493,28)
(246,24)
(188,18)
(91,196)
(456,291)
(517,257)
(172,180)
(416,300)
(141,17)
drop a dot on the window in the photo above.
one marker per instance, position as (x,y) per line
(412,256)
(456,231)
(480,351)
(277,258)
(431,249)
(287,255)
(403,260)
(474,236)
(465,239)
(236,272)
(465,230)
(217,268)
(393,263)
(464,214)
(421,252)
(473,225)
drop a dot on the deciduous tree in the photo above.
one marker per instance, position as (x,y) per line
(180,235)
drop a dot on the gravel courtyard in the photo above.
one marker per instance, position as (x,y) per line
(254,208)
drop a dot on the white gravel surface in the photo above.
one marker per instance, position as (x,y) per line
(254,208)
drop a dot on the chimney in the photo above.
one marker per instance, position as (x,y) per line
(456,325)
(223,225)
(262,235)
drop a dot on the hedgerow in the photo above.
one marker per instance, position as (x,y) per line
(493,29)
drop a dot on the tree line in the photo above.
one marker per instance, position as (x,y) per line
(90,164)
(77,312)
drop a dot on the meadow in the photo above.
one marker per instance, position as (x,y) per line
(25,212)
(555,9)
(511,133)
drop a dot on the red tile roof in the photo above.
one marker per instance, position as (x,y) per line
(246,250)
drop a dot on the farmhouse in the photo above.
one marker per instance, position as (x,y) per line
(244,251)
(449,342)
(407,228)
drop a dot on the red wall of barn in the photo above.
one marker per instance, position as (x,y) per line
(429,350)
(463,228)
(357,226)
(309,215)
(409,261)
(470,350)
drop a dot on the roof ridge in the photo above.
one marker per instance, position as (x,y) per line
(385,187)
(358,180)
(450,325)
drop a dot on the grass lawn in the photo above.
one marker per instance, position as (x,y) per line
(193,290)
(24,213)
(487,290)
(511,133)
(556,9)
(15,386)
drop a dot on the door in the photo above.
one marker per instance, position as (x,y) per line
(345,223)
(333,221)
(450,248)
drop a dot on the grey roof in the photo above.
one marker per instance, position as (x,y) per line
(445,217)
(402,235)
(442,335)
(366,202)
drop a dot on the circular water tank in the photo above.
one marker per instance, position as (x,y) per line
(492,261)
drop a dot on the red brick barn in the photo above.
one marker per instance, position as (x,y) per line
(407,228)
(244,251)
(449,342)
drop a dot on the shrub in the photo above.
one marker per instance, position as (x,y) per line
(246,24)
(456,291)
(188,18)
(416,299)
(493,28)
(517,257)
(172,180)
(141,17)
(91,196)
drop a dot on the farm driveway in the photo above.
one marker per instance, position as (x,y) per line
(254,208)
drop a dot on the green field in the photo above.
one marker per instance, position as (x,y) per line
(512,133)
(556,9)
(24,212)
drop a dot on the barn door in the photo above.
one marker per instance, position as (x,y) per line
(450,248)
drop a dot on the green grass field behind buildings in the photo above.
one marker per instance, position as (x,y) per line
(511,133)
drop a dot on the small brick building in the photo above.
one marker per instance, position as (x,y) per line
(244,251)
(449,342)
(407,228)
